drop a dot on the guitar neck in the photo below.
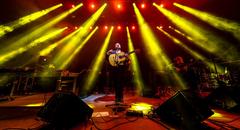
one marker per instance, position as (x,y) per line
(130,52)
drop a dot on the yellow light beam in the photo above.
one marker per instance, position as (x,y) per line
(6,57)
(190,51)
(64,65)
(51,47)
(217,22)
(72,44)
(36,32)
(182,34)
(197,55)
(157,56)
(97,63)
(138,80)
(4,29)
(46,51)
(150,42)
(203,38)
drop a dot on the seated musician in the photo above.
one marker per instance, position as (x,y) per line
(119,62)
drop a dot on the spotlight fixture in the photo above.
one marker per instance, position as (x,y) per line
(119,6)
(92,6)
(105,27)
(133,27)
(143,5)
(119,27)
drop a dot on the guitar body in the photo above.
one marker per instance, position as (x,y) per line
(117,59)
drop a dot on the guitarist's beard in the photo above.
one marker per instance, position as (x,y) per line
(118,49)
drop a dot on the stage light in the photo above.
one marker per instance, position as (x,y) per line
(215,21)
(92,6)
(91,28)
(119,27)
(75,27)
(133,27)
(161,5)
(78,49)
(154,48)
(36,32)
(46,51)
(119,6)
(73,6)
(181,33)
(138,80)
(67,50)
(8,56)
(195,54)
(4,29)
(105,27)
(96,65)
(143,5)
(202,37)
(149,39)
(51,47)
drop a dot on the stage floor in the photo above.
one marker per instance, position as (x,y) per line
(21,113)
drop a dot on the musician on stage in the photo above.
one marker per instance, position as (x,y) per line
(187,71)
(118,66)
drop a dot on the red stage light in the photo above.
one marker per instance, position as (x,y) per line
(133,27)
(92,6)
(162,5)
(91,27)
(119,27)
(143,5)
(119,6)
(105,27)
(75,27)
(73,6)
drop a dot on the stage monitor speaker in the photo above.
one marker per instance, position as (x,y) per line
(184,110)
(65,110)
(226,97)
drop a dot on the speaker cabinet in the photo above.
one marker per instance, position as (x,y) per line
(226,97)
(65,110)
(184,110)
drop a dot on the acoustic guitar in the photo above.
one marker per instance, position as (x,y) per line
(119,58)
